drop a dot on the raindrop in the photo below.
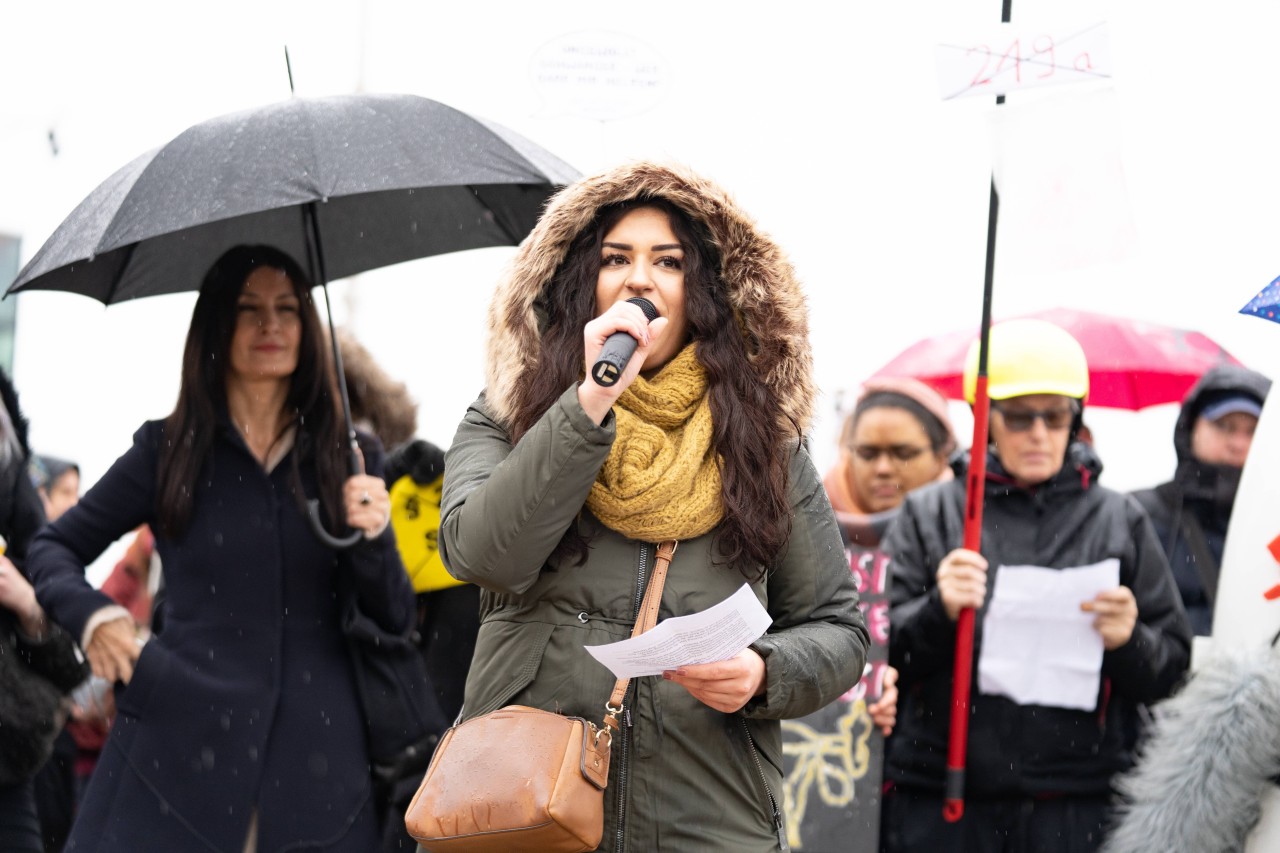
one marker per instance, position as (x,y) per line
(213,590)
(206,758)
(253,753)
(225,722)
(306,676)
(318,764)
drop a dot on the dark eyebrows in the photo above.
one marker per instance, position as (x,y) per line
(280,297)
(627,247)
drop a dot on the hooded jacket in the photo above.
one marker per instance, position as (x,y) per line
(1026,750)
(1199,494)
(683,776)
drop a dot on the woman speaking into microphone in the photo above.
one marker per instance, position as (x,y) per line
(557,489)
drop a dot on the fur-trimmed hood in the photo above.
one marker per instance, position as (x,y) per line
(378,403)
(761,285)
(1212,754)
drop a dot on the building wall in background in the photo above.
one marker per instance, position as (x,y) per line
(10,248)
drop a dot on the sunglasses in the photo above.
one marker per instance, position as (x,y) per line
(1021,420)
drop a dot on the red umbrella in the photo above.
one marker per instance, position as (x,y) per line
(1132,363)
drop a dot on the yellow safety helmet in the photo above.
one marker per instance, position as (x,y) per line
(1029,357)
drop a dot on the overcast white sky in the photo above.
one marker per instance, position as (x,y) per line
(824,119)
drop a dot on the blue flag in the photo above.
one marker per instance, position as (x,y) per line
(1266,304)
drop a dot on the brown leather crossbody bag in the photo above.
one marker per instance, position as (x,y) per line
(522,779)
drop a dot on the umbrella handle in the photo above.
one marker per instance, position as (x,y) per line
(317,527)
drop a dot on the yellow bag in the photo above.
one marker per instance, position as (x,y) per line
(415,520)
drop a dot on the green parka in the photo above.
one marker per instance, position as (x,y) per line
(683,776)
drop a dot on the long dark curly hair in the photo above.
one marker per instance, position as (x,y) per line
(312,403)
(752,448)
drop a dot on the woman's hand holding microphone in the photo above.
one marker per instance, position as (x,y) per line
(597,399)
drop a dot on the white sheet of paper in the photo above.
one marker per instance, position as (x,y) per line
(1038,647)
(717,633)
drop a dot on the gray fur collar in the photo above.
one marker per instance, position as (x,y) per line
(1213,751)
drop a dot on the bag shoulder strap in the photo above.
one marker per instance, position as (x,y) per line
(1206,565)
(1185,522)
(645,619)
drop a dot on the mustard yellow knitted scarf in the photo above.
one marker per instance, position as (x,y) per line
(661,480)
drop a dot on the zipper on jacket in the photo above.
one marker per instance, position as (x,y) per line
(624,745)
(779,827)
(642,573)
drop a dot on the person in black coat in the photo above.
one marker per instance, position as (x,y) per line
(447,619)
(1038,776)
(1192,511)
(39,663)
(239,724)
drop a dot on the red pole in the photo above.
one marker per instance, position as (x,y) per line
(962,670)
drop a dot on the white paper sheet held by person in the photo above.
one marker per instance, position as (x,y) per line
(1038,647)
(714,634)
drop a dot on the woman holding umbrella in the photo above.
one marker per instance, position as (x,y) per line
(239,725)
(558,489)
(1039,770)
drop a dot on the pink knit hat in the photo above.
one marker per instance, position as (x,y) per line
(913,389)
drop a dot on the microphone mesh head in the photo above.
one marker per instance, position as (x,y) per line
(650,313)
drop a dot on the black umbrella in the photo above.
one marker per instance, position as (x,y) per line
(346,184)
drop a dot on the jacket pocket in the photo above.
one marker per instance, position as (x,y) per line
(765,736)
(148,671)
(506,660)
(765,751)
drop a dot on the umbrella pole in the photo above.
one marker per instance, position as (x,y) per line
(356,461)
(962,671)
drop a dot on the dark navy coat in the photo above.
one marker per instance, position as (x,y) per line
(245,700)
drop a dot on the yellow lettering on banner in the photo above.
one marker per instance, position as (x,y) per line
(828,762)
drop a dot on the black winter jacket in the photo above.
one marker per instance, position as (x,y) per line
(1199,494)
(33,674)
(1017,750)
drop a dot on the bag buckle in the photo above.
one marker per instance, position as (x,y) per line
(611,713)
(598,732)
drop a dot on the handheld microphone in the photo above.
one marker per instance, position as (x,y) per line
(619,347)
